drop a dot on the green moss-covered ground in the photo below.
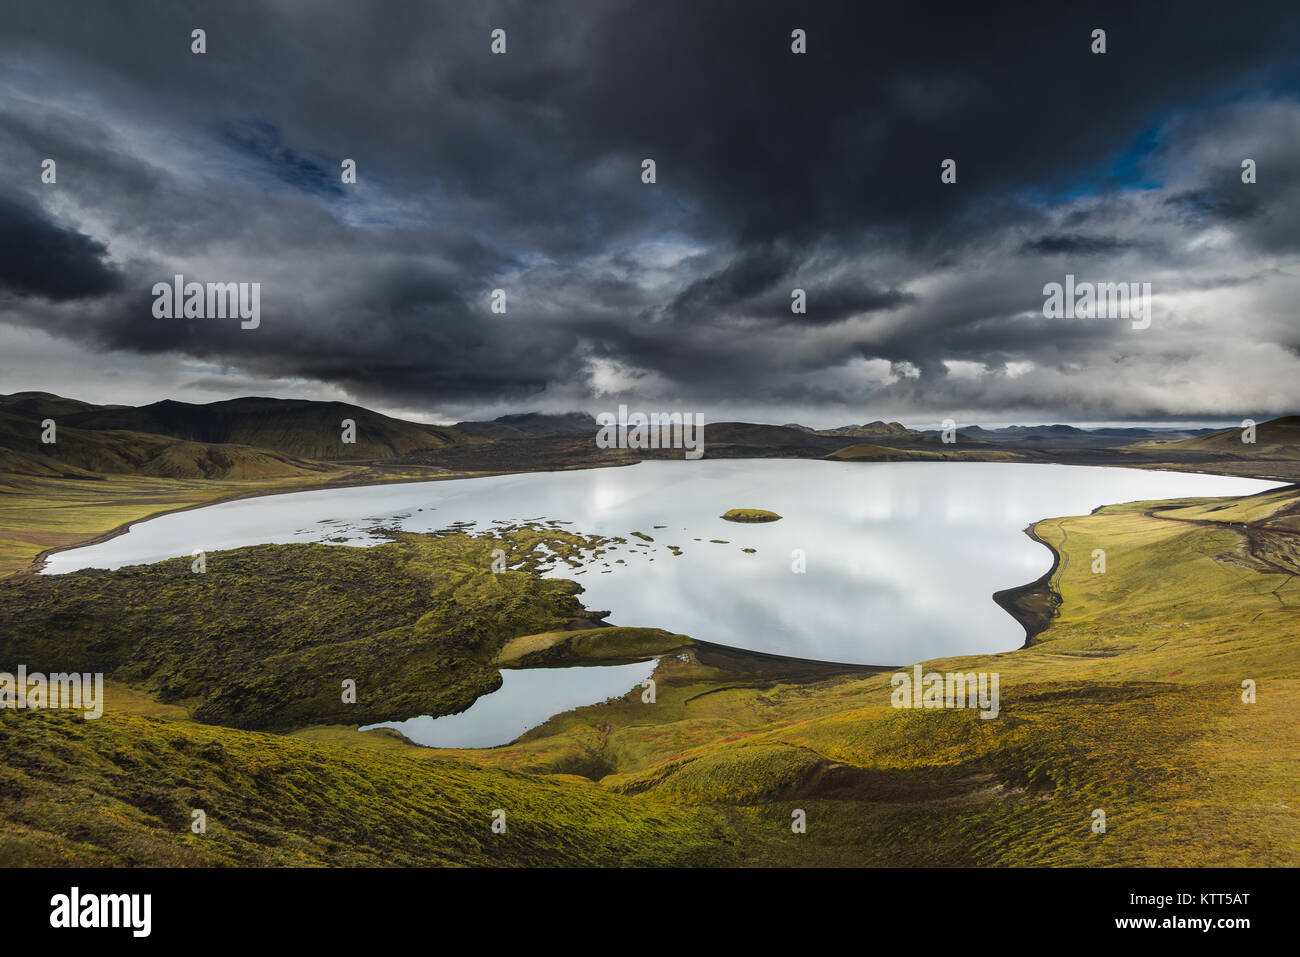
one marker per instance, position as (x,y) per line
(121,790)
(266,636)
(1130,702)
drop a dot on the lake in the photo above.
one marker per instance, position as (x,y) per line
(901,558)
(882,563)
(526,698)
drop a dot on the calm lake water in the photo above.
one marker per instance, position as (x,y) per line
(526,698)
(900,559)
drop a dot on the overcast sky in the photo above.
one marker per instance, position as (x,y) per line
(775,171)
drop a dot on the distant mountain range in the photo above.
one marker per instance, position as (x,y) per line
(291,426)
(1070,434)
(251,438)
(530,425)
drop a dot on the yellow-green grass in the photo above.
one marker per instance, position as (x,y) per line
(1278,438)
(38,514)
(121,790)
(1129,703)
(589,645)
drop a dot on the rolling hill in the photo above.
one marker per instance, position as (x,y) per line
(1277,438)
(877,429)
(531,425)
(88,454)
(295,427)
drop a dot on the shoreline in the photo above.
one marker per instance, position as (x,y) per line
(1037,620)
(1034,605)
(39,561)
(1014,602)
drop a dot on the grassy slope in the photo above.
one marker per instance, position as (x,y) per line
(294,427)
(82,452)
(120,791)
(1129,702)
(1277,438)
(283,427)
(266,636)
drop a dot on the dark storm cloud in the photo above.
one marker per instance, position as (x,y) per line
(835,303)
(1067,243)
(39,257)
(760,283)
(774,171)
(1231,206)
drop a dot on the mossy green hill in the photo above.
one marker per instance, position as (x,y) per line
(266,635)
(291,427)
(89,454)
(1277,438)
(1129,702)
(224,687)
(119,791)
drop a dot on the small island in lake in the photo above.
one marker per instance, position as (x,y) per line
(751,515)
